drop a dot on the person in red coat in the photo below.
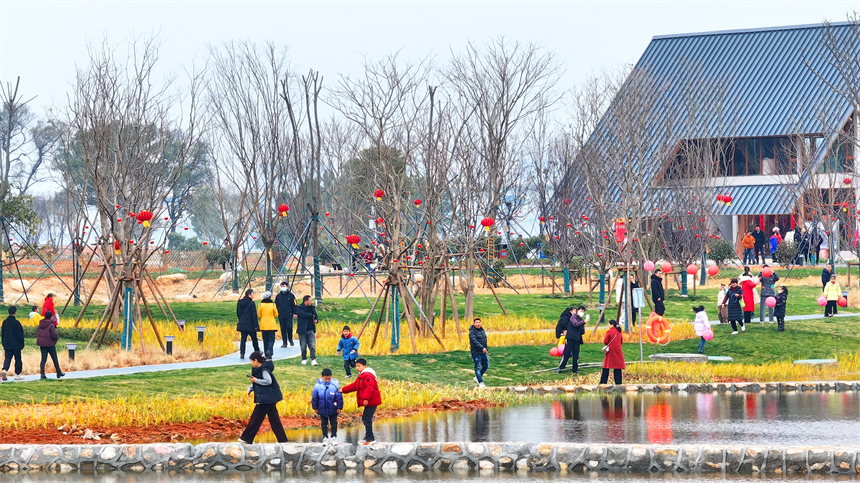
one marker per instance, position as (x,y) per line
(614,359)
(367,395)
(748,284)
(48,306)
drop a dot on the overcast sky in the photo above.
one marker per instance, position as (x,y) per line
(42,41)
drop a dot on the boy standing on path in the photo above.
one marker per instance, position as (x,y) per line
(478,350)
(328,403)
(286,303)
(367,395)
(12,335)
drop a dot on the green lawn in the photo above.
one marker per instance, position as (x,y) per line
(508,365)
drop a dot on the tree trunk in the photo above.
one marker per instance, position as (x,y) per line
(470,286)
(315,251)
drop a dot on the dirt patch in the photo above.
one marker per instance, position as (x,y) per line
(214,429)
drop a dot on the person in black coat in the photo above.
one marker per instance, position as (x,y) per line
(248,324)
(826,275)
(761,243)
(267,393)
(779,309)
(285,301)
(563,320)
(573,340)
(658,295)
(734,299)
(12,336)
(306,328)
(478,350)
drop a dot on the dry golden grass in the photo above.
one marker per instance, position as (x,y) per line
(137,410)
(506,331)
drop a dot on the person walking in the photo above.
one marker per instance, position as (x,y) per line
(760,244)
(367,396)
(826,275)
(12,338)
(285,301)
(306,328)
(573,340)
(267,314)
(779,310)
(327,402)
(832,291)
(803,247)
(774,242)
(46,339)
(734,299)
(613,357)
(701,324)
(748,243)
(267,394)
(348,346)
(48,306)
(768,289)
(748,285)
(248,324)
(658,295)
(478,351)
(722,310)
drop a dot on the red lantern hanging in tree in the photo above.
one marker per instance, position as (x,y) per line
(719,199)
(378,194)
(117,246)
(283,209)
(353,240)
(847,180)
(487,223)
(566,201)
(417,203)
(144,217)
(379,221)
(692,269)
(542,220)
(728,200)
(666,267)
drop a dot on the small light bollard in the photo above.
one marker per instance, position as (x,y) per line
(169,340)
(181,323)
(200,330)
(71,348)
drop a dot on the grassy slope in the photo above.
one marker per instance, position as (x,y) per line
(508,365)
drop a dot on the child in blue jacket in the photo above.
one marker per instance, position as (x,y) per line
(327,402)
(348,345)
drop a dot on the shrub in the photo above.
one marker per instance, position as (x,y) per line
(217,257)
(720,250)
(785,253)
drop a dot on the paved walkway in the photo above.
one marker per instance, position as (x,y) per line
(228,360)
(280,354)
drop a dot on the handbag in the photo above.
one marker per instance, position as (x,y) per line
(605,348)
(756,296)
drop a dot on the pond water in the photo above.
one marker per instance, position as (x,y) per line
(794,418)
(370,477)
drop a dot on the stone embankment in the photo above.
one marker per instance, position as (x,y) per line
(422,457)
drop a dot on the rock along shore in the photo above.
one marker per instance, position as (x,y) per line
(422,457)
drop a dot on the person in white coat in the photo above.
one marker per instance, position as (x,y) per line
(722,309)
(701,325)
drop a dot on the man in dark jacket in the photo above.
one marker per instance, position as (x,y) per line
(285,301)
(826,275)
(12,336)
(306,328)
(248,324)
(478,350)
(267,393)
(658,296)
(761,244)
(768,289)
(563,320)
(573,340)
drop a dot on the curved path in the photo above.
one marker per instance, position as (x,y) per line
(280,354)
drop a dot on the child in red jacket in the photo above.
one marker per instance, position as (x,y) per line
(367,396)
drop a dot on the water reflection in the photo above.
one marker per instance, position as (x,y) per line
(808,418)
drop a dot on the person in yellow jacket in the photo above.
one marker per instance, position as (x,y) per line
(267,314)
(832,291)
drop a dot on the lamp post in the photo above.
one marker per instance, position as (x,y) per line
(169,340)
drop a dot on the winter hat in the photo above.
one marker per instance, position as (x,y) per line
(267,294)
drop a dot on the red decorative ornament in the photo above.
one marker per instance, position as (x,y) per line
(116,246)
(847,180)
(166,251)
(719,199)
(728,200)
(205,243)
(327,213)
(379,221)
(186,228)
(166,218)
(487,223)
(353,240)
(378,194)
(566,202)
(417,203)
(144,217)
(542,220)
(666,267)
(283,209)
(119,220)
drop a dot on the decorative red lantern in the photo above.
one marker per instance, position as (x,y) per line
(353,240)
(327,213)
(378,194)
(542,220)
(719,199)
(166,251)
(117,246)
(566,201)
(728,200)
(283,209)
(847,180)
(144,217)
(692,269)
(417,203)
(487,223)
(205,243)
(379,221)
(166,218)
(666,267)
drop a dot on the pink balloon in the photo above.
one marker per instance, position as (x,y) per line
(822,301)
(770,302)
(708,335)
(648,265)
(554,352)
(561,349)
